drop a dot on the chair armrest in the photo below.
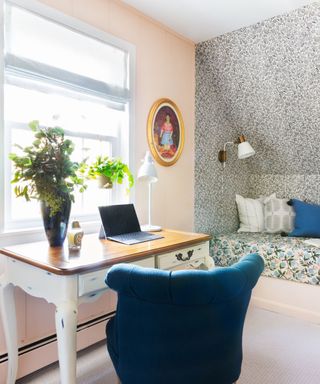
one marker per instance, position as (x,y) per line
(252,266)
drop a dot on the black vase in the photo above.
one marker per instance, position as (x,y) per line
(56,226)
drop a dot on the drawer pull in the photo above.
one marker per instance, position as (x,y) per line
(179,256)
(190,253)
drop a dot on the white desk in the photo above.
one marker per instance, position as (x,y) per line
(68,279)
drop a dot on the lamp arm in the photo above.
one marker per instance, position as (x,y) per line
(228,143)
(223,153)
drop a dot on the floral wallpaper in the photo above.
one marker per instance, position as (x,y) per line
(262,81)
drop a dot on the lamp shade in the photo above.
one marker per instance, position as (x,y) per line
(148,171)
(245,150)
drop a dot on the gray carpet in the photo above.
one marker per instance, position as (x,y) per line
(280,350)
(277,350)
(93,367)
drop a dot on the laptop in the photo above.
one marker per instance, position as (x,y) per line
(120,223)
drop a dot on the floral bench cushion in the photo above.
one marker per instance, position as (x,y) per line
(285,257)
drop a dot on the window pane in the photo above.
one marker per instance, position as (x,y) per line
(91,124)
(51,107)
(88,202)
(63,48)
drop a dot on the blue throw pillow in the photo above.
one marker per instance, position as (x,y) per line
(307,220)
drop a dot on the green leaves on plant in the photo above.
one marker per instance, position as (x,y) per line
(34,125)
(44,170)
(114,169)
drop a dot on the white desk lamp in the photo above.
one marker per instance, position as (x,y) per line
(147,172)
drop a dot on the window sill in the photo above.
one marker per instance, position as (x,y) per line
(13,237)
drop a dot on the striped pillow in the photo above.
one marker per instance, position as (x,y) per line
(251,213)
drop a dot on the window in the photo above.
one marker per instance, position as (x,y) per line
(63,72)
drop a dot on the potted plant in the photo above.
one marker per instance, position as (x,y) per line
(108,171)
(44,171)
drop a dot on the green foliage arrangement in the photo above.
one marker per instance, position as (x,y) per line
(44,170)
(113,169)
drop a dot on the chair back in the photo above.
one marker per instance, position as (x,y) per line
(180,327)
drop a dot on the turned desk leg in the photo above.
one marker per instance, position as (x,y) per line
(9,322)
(66,327)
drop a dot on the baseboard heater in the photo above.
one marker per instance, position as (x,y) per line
(53,338)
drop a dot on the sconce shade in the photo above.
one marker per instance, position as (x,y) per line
(245,150)
(147,171)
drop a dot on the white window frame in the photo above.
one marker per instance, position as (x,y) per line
(34,234)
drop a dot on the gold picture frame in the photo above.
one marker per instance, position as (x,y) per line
(165,132)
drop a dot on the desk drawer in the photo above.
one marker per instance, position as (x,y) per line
(94,281)
(180,257)
(146,263)
(195,264)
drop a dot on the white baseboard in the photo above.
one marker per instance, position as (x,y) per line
(289,298)
(44,355)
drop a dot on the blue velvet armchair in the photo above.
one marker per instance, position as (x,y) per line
(182,327)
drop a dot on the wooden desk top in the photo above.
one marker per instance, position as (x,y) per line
(96,254)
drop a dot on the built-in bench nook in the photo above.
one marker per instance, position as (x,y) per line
(279,229)
(290,281)
(288,258)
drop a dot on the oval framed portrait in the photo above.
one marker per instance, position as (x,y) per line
(165,131)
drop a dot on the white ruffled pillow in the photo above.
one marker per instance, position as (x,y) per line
(251,213)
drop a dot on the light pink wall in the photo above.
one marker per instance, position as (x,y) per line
(165,67)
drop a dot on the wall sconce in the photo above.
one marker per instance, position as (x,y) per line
(244,150)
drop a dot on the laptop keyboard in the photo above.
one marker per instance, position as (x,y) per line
(131,236)
(134,237)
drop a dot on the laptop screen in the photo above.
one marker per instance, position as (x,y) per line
(119,219)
